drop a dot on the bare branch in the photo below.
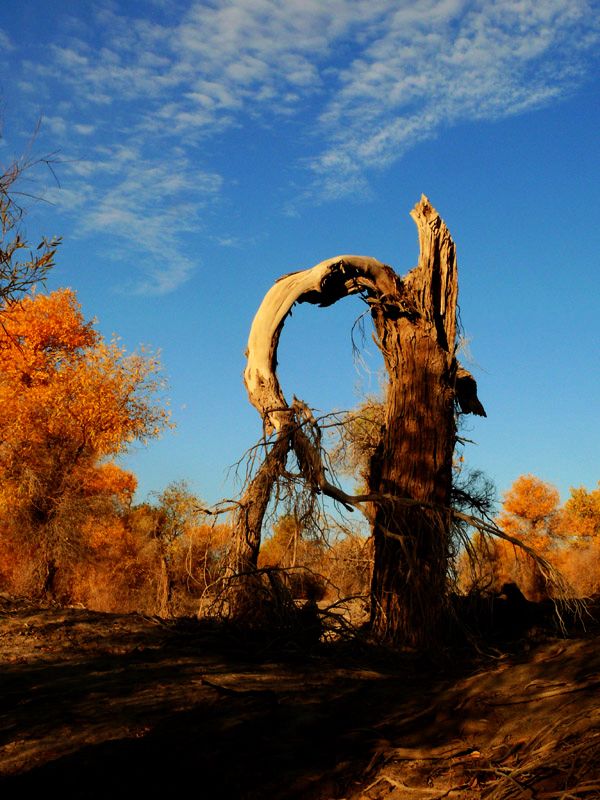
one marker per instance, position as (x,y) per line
(322,285)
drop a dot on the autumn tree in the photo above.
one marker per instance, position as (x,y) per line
(566,537)
(293,549)
(356,436)
(179,556)
(580,529)
(531,509)
(71,402)
(101,569)
(409,482)
(531,513)
(581,514)
(176,512)
(347,563)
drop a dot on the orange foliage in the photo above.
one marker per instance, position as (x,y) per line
(70,400)
(61,379)
(337,568)
(109,480)
(199,557)
(581,517)
(530,511)
(568,536)
(580,525)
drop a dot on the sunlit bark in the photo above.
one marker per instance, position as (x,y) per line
(414,458)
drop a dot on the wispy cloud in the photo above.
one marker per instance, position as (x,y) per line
(143,207)
(368,79)
(84,130)
(5,42)
(441,61)
(58,126)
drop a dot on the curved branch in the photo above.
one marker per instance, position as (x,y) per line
(321,285)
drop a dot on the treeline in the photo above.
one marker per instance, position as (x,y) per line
(567,536)
(72,403)
(70,532)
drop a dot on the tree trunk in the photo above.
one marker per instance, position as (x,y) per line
(48,588)
(240,575)
(414,460)
(409,497)
(165,589)
(252,507)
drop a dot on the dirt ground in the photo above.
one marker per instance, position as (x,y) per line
(108,706)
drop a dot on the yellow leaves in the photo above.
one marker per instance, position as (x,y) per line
(61,380)
(106,534)
(566,535)
(112,398)
(582,513)
(69,399)
(109,479)
(531,499)
(41,329)
(532,509)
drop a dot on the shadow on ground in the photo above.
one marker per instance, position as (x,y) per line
(104,706)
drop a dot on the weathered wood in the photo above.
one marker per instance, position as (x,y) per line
(409,495)
(415,455)
(321,285)
(250,512)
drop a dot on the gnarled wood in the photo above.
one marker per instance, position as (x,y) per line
(410,475)
(321,285)
(414,458)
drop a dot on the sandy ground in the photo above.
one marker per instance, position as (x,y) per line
(107,706)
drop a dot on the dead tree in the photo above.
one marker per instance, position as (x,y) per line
(409,491)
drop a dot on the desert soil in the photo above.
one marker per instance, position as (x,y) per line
(107,706)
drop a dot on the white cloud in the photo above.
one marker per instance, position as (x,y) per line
(367,78)
(84,130)
(69,58)
(5,42)
(403,66)
(437,62)
(57,125)
(26,86)
(143,207)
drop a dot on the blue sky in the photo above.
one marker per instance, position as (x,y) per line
(207,148)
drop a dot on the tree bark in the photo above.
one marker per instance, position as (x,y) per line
(414,459)
(48,588)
